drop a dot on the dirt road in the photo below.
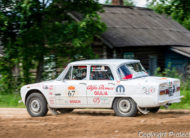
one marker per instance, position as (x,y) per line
(94,123)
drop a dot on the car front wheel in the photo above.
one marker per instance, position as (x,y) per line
(36,105)
(125,107)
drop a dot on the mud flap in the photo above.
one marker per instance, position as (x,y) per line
(53,111)
(143,110)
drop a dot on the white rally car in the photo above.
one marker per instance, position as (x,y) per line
(119,84)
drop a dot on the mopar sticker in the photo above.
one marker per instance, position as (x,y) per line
(120,89)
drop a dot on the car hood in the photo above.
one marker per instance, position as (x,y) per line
(37,85)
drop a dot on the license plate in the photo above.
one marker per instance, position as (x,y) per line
(171,93)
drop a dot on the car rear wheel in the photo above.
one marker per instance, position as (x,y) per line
(125,107)
(65,110)
(154,110)
(36,105)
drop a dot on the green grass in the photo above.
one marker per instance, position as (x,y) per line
(185,102)
(10,100)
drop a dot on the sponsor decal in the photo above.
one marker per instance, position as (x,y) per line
(99,90)
(75,101)
(71,91)
(98,68)
(100,93)
(66,102)
(120,89)
(92,87)
(50,93)
(163,78)
(98,100)
(51,101)
(34,85)
(151,90)
(46,87)
(50,87)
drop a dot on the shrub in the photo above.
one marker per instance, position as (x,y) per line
(173,73)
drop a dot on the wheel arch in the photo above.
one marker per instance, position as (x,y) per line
(121,97)
(34,91)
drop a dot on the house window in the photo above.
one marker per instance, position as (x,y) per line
(128,55)
(152,64)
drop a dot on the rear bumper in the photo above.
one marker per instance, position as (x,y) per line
(149,101)
(172,100)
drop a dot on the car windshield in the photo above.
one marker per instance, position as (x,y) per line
(133,70)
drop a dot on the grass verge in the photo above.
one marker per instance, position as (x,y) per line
(11,100)
(185,102)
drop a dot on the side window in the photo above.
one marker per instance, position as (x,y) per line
(100,73)
(121,75)
(79,73)
(68,75)
(124,72)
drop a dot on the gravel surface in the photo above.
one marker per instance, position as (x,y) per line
(94,123)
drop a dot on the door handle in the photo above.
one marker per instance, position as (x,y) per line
(112,83)
(83,83)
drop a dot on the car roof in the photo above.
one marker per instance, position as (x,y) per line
(104,62)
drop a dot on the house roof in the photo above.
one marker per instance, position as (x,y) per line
(134,26)
(185,51)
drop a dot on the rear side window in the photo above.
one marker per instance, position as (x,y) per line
(124,72)
(101,73)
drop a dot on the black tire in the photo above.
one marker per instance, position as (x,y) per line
(128,103)
(65,110)
(154,110)
(36,105)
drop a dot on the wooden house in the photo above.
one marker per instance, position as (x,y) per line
(140,33)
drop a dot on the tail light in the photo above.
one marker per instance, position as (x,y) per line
(163,92)
(178,89)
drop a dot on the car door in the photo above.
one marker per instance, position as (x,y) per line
(100,87)
(73,88)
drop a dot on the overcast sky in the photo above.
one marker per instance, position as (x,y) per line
(139,3)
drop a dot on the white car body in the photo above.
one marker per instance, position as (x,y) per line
(145,90)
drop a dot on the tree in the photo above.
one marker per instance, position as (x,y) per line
(125,2)
(129,3)
(179,10)
(33,29)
